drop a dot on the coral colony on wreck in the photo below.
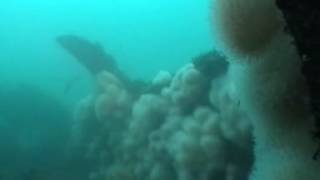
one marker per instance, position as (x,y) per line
(260,84)
(246,109)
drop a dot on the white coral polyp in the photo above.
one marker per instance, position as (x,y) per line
(163,78)
(186,87)
(113,100)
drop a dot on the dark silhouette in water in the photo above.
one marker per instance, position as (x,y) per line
(303,24)
(211,64)
(94,58)
(91,55)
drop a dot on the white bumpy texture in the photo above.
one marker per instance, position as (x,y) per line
(265,68)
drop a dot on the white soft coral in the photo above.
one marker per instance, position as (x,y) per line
(113,100)
(186,88)
(265,68)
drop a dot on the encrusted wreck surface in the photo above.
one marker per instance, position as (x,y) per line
(303,23)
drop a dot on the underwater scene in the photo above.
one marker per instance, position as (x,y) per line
(159,90)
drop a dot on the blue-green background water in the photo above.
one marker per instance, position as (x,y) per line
(35,110)
(144,36)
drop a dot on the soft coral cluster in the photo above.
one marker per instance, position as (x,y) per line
(170,133)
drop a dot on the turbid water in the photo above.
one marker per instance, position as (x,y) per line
(41,84)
